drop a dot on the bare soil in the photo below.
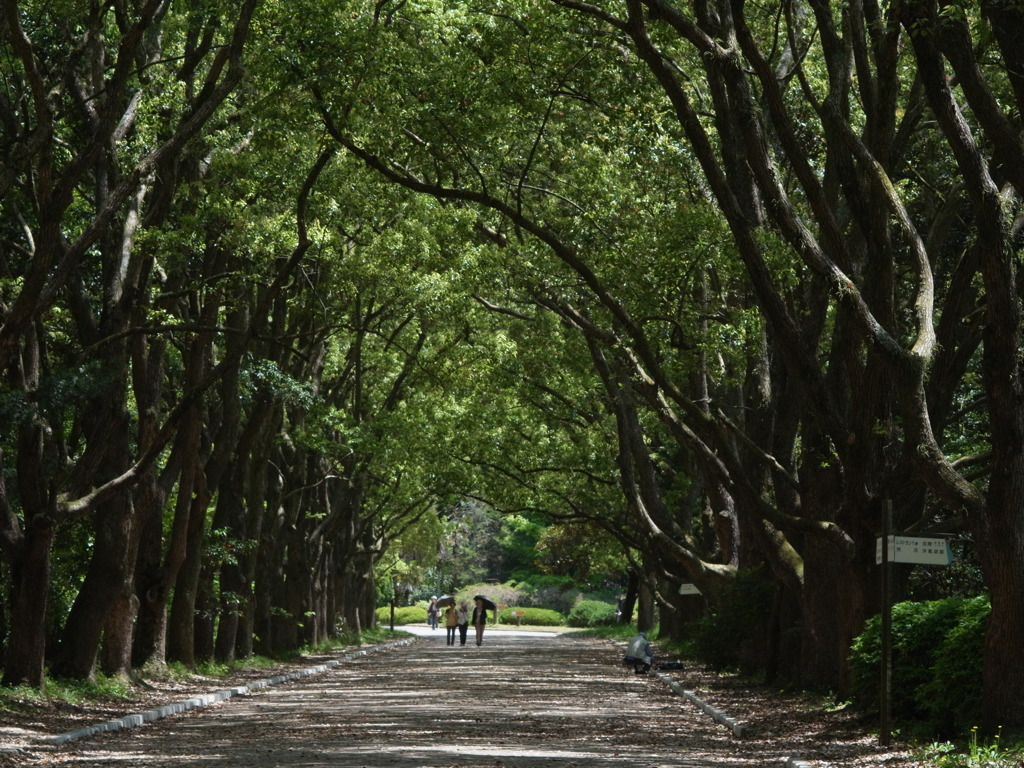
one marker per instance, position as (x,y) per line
(519,700)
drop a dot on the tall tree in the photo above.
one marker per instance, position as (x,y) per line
(74,125)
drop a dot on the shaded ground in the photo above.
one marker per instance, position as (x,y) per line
(525,701)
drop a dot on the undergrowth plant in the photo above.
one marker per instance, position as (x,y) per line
(976,755)
(70,691)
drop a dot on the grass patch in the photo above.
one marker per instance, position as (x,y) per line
(615,632)
(376,635)
(70,691)
(212,669)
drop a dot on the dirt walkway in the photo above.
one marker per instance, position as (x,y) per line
(517,701)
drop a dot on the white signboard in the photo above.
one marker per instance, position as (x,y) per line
(688,589)
(915,549)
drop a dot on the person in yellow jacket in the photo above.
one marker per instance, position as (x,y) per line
(451,623)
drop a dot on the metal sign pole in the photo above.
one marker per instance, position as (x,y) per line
(885,687)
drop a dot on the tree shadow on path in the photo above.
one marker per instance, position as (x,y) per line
(543,701)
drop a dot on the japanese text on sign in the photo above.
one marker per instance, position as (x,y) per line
(915,549)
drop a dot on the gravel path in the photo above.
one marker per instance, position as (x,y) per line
(517,701)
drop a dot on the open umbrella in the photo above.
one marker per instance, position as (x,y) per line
(487,603)
(445,600)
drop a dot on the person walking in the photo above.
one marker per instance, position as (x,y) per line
(463,621)
(479,619)
(432,613)
(451,624)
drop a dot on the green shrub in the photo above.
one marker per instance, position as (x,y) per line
(952,697)
(592,613)
(538,617)
(408,614)
(936,662)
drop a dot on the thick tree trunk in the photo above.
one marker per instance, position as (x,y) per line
(204,617)
(30,581)
(832,616)
(108,583)
(26,542)
(232,586)
(267,586)
(160,560)
(156,578)
(687,609)
(181,626)
(358,592)
(646,614)
(997,525)
(999,538)
(251,564)
(1003,673)
(116,652)
(240,511)
(106,600)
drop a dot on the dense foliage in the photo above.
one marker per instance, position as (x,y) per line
(936,664)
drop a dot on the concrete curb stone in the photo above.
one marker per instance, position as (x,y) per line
(738,728)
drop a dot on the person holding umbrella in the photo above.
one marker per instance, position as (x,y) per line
(480,607)
(463,619)
(432,612)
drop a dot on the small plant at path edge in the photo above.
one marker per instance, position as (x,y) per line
(992,755)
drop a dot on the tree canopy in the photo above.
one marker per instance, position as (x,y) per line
(708,287)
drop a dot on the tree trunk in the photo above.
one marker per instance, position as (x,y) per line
(106,600)
(1003,675)
(118,631)
(108,582)
(628,606)
(27,546)
(204,622)
(832,616)
(997,524)
(181,626)
(157,569)
(232,586)
(267,586)
(646,615)
(155,579)
(30,581)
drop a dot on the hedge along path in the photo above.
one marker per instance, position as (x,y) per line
(527,701)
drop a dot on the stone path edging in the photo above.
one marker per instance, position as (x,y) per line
(131,721)
(738,727)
